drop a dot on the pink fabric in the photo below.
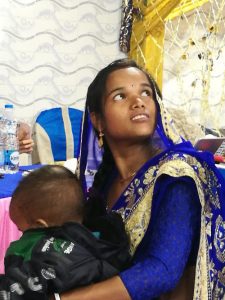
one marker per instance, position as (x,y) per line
(8,230)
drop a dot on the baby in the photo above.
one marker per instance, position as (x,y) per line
(56,252)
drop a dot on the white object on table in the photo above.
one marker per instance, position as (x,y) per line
(71,164)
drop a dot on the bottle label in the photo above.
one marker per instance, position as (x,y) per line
(12,157)
(2,158)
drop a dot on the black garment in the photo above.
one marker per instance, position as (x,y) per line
(56,259)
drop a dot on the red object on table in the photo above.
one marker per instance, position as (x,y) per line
(219,159)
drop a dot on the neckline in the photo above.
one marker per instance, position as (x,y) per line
(129,177)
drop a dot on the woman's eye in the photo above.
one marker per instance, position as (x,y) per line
(146,93)
(118,97)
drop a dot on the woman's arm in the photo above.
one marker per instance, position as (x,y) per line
(110,289)
(163,257)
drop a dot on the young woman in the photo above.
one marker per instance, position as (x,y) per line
(171,197)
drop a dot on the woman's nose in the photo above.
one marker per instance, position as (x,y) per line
(137,102)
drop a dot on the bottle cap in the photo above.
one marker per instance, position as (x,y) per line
(8,105)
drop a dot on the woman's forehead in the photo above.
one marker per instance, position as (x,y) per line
(126,75)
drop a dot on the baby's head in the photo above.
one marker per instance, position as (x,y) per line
(49,196)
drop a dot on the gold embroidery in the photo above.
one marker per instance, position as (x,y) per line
(222,276)
(219,239)
(137,224)
(130,195)
(149,174)
(137,214)
(202,287)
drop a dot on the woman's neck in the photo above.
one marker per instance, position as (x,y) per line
(129,159)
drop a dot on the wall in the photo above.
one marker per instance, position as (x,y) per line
(50,50)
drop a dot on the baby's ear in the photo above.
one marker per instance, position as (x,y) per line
(41,223)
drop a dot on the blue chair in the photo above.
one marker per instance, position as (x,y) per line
(57,134)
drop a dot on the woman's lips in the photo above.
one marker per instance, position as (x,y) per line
(140,117)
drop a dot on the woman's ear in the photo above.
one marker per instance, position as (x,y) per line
(96,121)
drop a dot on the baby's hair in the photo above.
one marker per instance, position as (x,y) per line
(52,193)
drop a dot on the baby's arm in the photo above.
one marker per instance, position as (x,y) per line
(50,264)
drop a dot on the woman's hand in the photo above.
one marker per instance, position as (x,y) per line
(26,146)
(25,141)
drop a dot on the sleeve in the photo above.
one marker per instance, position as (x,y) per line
(55,265)
(13,287)
(169,243)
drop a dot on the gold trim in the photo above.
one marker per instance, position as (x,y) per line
(140,212)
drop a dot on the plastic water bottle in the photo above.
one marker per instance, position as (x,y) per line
(11,147)
(2,141)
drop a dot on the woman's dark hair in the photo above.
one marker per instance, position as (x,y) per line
(95,96)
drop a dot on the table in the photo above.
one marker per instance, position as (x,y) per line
(10,181)
(8,230)
(221,168)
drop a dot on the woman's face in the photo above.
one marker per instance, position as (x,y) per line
(129,111)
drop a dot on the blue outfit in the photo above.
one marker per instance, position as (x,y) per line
(173,210)
(160,271)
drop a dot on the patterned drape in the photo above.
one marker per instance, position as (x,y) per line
(52,49)
(148,27)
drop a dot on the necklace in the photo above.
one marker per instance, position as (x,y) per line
(122,180)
